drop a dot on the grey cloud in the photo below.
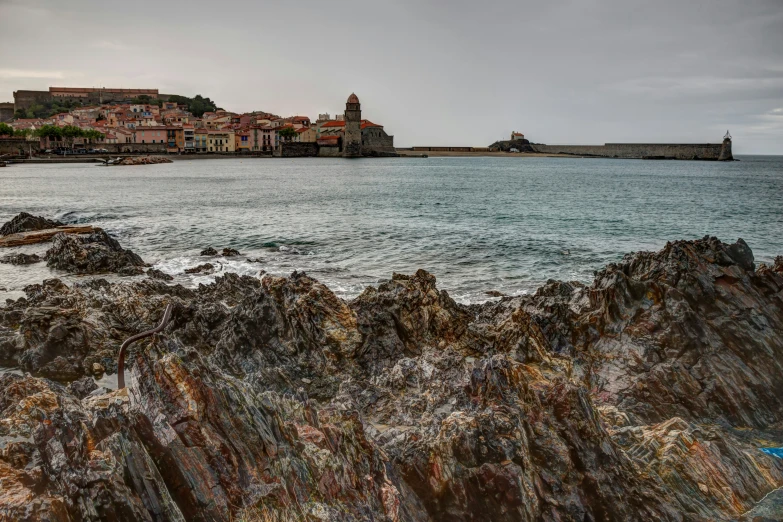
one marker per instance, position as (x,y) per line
(436,72)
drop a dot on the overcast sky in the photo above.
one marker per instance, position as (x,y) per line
(443,72)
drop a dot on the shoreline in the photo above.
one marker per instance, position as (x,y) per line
(404,379)
(97,159)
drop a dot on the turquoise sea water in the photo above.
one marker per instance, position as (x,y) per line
(478,224)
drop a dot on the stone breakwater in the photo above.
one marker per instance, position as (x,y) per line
(709,151)
(643,396)
(144,160)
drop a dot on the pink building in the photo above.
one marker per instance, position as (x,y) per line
(150,134)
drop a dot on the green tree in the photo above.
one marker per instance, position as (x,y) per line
(93,135)
(22,133)
(51,132)
(287,133)
(70,133)
(197,105)
(6,130)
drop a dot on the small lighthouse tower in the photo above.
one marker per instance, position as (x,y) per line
(725,149)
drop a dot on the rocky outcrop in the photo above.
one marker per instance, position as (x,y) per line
(154,273)
(644,396)
(25,222)
(93,254)
(205,268)
(144,160)
(21,259)
(692,331)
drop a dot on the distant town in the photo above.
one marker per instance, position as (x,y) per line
(75,120)
(71,120)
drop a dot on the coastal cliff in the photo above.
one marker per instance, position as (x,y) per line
(647,395)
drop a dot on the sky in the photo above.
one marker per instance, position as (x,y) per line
(456,72)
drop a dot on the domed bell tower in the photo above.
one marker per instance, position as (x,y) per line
(352,142)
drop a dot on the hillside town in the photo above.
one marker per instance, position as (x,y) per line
(143,120)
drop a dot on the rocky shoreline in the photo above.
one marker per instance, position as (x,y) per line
(646,395)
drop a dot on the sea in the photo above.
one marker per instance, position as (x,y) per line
(479,224)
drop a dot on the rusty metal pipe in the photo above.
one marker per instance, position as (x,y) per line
(131,340)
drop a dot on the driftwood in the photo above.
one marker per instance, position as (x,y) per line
(39,236)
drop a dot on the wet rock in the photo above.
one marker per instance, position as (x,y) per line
(209,252)
(25,222)
(691,332)
(206,268)
(644,396)
(188,443)
(154,273)
(81,388)
(21,259)
(96,253)
(230,252)
(130,271)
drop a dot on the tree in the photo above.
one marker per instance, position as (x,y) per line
(22,133)
(287,133)
(49,131)
(197,105)
(6,130)
(70,133)
(93,135)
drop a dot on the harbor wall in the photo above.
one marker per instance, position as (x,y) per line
(13,145)
(297,150)
(706,151)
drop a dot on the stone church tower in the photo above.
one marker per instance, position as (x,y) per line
(352,141)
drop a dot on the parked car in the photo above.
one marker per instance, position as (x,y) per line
(92,151)
(48,151)
(81,151)
(102,151)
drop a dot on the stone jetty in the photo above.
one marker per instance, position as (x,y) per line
(144,160)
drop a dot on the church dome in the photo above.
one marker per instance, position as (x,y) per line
(353,98)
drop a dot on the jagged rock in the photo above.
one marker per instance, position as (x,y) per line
(81,388)
(691,332)
(25,222)
(21,259)
(83,324)
(206,268)
(644,396)
(154,273)
(130,270)
(230,252)
(93,254)
(209,252)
